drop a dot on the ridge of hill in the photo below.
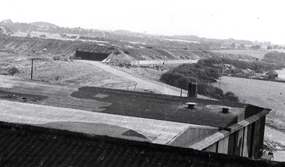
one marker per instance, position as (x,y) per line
(187,42)
(44,24)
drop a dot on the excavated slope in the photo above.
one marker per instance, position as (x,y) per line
(55,46)
(49,45)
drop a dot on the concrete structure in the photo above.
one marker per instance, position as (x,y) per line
(215,126)
(161,62)
(93,52)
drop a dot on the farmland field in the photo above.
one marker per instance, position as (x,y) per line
(255,53)
(261,93)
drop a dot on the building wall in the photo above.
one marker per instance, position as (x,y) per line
(193,135)
(246,142)
(151,62)
(223,145)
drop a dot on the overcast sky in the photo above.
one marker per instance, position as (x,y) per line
(252,20)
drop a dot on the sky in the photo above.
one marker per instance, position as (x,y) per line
(239,19)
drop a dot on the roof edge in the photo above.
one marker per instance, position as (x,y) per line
(231,129)
(178,151)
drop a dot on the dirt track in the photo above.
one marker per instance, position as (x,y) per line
(142,84)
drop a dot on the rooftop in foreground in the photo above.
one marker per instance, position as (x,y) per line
(123,114)
(26,145)
(163,107)
(123,102)
(155,131)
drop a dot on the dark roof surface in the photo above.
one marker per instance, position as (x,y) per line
(124,102)
(25,145)
(161,107)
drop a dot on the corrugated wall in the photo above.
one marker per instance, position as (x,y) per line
(246,142)
(212,148)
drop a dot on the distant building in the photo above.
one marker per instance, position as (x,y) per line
(92,52)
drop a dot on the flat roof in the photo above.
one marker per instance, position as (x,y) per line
(141,129)
(162,107)
(122,102)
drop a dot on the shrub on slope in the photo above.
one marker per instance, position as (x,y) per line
(203,76)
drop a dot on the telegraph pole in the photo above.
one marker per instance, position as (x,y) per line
(32,69)
(221,75)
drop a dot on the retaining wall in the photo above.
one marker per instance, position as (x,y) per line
(148,62)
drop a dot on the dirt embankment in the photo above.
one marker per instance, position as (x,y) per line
(36,46)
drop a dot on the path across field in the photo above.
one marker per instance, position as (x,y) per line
(141,83)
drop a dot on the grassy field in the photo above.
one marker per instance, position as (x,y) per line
(60,71)
(262,93)
(255,53)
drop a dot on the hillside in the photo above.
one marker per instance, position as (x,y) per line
(5,31)
(37,46)
(44,24)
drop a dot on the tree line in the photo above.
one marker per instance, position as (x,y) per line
(274,57)
(207,71)
(257,66)
(203,76)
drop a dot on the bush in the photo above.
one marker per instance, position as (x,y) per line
(181,82)
(126,52)
(170,78)
(230,96)
(198,73)
(13,71)
(193,73)
(275,56)
(56,58)
(210,91)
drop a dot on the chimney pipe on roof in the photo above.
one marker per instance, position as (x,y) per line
(225,110)
(192,90)
(191,105)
